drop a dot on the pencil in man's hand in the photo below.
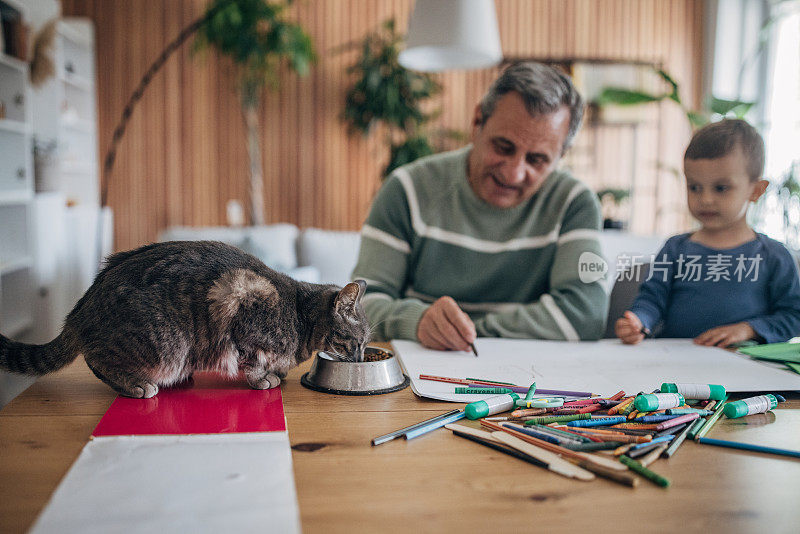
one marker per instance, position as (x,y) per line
(474,350)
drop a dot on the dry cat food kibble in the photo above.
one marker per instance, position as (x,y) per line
(376,355)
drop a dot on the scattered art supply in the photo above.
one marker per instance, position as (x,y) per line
(751,405)
(646,426)
(658,401)
(491,406)
(695,391)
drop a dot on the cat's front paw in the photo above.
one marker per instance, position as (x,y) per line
(268,381)
(144,390)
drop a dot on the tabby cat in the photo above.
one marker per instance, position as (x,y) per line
(156,314)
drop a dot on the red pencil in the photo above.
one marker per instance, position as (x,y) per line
(445,379)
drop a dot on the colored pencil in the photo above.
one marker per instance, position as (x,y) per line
(554,462)
(653,455)
(433,425)
(673,446)
(502,448)
(486,380)
(648,447)
(398,433)
(748,447)
(523,389)
(567,453)
(444,379)
(515,388)
(700,432)
(598,465)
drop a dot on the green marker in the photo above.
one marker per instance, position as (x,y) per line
(749,406)
(658,401)
(695,391)
(491,406)
(531,391)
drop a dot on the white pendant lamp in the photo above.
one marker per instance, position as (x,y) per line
(452,34)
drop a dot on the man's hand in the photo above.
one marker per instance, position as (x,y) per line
(444,326)
(629,328)
(725,335)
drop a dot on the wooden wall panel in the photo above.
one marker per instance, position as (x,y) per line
(183,156)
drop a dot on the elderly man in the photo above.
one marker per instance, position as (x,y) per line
(488,240)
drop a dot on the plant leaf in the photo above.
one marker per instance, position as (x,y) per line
(723,107)
(625,97)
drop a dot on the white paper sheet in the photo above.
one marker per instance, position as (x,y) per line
(602,367)
(199,483)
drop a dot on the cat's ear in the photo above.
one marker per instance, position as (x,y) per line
(349,296)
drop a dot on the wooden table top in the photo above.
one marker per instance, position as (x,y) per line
(437,482)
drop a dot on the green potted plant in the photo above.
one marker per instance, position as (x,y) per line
(258,39)
(715,108)
(386,92)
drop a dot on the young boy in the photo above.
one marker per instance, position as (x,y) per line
(724,283)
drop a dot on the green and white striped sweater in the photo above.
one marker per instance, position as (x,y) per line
(514,271)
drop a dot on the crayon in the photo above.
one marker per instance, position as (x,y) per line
(635,466)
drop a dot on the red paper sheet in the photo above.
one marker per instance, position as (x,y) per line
(208,404)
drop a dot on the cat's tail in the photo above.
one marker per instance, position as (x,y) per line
(37,360)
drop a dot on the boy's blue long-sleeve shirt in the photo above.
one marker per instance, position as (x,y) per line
(692,288)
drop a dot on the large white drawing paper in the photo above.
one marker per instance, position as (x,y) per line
(604,367)
(198,483)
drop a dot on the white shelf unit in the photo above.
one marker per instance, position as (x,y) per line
(16,196)
(77,135)
(67,204)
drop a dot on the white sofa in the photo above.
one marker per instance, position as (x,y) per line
(328,256)
(311,254)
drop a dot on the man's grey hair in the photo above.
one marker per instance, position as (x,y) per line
(543,89)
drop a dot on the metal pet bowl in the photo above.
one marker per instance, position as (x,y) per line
(330,375)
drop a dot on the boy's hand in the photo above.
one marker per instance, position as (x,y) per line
(629,328)
(725,335)
(444,326)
